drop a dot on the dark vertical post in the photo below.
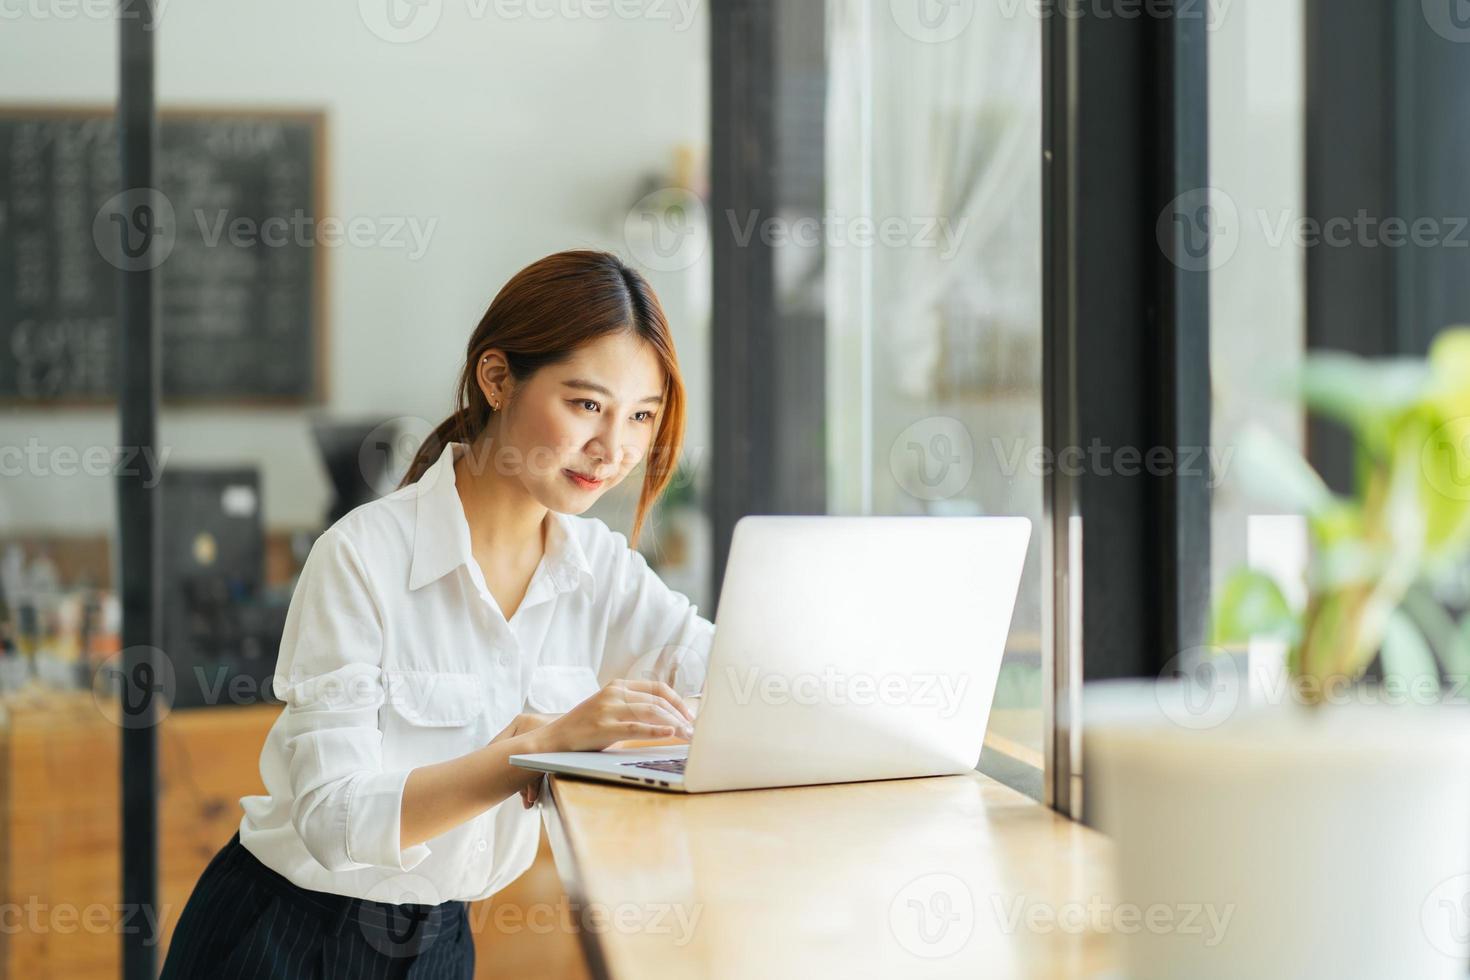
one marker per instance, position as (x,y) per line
(137,526)
(1432,132)
(769,368)
(1125,354)
(742,183)
(1181,168)
(1350,137)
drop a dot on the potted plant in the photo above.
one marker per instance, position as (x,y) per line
(1322,825)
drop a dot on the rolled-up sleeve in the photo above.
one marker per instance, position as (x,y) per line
(654,633)
(345,807)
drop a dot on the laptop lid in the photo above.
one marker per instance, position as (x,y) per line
(851,648)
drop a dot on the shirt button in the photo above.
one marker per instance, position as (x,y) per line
(480,845)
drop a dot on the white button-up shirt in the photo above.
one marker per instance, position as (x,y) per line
(395,655)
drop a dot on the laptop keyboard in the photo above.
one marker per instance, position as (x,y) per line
(662,765)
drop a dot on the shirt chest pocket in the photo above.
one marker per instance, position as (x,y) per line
(558,688)
(432,698)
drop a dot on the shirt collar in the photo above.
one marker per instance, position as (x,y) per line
(441,541)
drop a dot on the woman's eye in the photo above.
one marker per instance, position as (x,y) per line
(643,416)
(588,404)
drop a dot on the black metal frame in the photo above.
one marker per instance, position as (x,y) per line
(1125,357)
(768,362)
(1384,136)
(139,577)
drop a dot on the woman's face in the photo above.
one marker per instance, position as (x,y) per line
(572,431)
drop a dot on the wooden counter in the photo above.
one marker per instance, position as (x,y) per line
(955,876)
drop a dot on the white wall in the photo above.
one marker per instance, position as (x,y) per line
(519,136)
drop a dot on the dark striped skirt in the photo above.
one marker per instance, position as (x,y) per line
(244,920)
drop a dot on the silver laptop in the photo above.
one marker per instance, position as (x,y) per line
(845,649)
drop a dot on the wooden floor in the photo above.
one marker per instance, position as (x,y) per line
(59,840)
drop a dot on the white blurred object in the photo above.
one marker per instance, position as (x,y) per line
(1293,842)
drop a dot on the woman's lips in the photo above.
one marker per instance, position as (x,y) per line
(581,481)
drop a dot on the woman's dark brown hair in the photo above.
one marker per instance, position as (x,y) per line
(548,310)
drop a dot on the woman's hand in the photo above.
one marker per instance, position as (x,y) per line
(623,709)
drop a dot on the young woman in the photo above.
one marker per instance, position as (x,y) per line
(463,618)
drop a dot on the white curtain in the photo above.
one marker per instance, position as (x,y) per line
(937,135)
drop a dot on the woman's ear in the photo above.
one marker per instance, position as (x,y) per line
(492,374)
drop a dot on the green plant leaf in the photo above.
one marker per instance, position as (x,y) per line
(1273,472)
(1405,653)
(1362,394)
(1449,360)
(1449,640)
(1251,604)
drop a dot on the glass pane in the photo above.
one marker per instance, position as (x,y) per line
(59,608)
(933,293)
(353,184)
(1257,304)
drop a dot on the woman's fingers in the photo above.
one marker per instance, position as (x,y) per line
(642,729)
(665,710)
(661,690)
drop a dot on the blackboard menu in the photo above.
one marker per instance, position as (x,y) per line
(230,228)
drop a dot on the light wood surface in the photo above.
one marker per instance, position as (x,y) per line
(954,876)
